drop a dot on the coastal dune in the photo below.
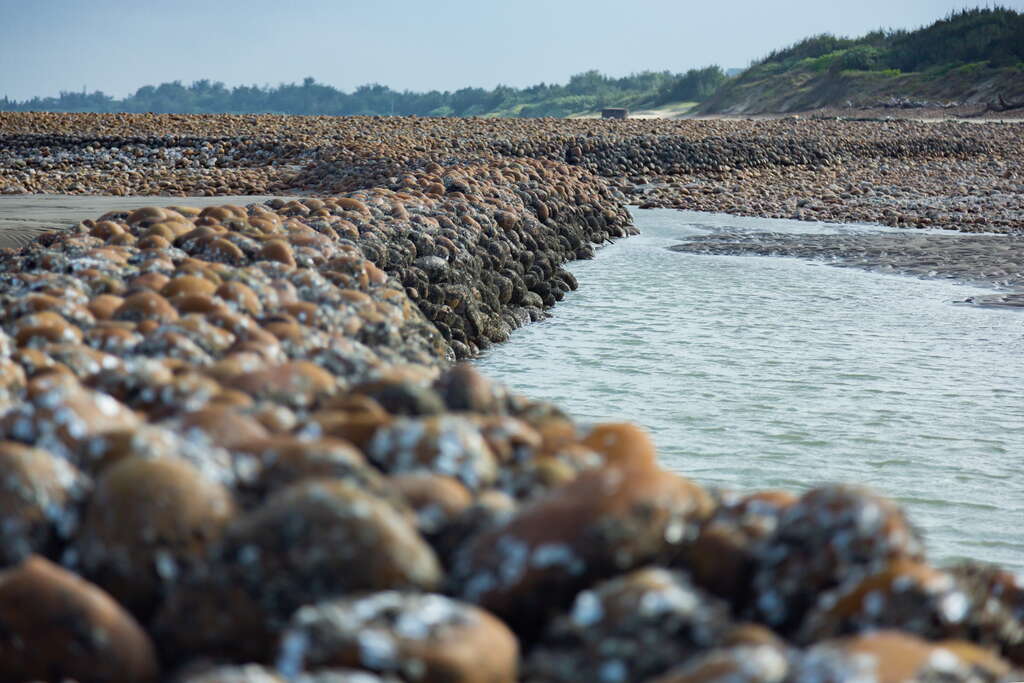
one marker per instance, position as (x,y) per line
(236,443)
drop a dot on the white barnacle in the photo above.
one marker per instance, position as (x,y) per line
(451,452)
(514,554)
(944,661)
(553,555)
(675,530)
(954,607)
(431,612)
(478,585)
(23,429)
(377,649)
(166,565)
(762,662)
(106,404)
(874,603)
(249,555)
(291,660)
(869,517)
(612,671)
(587,609)
(772,606)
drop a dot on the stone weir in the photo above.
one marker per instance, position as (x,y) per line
(234,447)
(902,173)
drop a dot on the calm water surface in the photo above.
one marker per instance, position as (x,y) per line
(756,372)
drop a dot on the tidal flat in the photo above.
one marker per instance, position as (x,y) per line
(236,442)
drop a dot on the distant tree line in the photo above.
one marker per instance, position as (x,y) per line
(584,92)
(988,36)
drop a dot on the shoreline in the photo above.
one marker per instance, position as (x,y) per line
(265,450)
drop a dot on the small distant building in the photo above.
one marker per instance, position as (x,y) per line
(614,113)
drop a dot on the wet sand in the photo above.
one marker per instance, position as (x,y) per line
(995,261)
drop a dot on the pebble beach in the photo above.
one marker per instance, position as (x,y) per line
(238,443)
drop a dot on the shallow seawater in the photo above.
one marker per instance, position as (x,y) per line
(755,372)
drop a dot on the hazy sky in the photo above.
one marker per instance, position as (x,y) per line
(118,45)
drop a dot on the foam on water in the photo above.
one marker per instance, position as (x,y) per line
(756,373)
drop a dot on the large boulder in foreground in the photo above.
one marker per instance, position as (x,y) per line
(312,541)
(605,522)
(55,626)
(422,638)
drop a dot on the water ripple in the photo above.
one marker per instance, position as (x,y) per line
(756,372)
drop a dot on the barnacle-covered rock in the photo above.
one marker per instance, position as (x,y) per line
(436,499)
(996,614)
(297,384)
(61,414)
(830,535)
(56,626)
(419,637)
(749,654)
(256,673)
(448,445)
(628,629)
(38,497)
(311,541)
(722,557)
(148,522)
(605,522)
(267,465)
(894,657)
(905,595)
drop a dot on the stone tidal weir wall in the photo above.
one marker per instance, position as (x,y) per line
(236,444)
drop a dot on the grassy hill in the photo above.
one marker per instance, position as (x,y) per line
(973,56)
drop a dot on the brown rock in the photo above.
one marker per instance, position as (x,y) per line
(895,657)
(224,426)
(242,296)
(722,558)
(357,428)
(62,414)
(907,595)
(146,305)
(445,444)
(45,327)
(103,306)
(146,215)
(623,444)
(436,499)
(605,522)
(37,496)
(628,628)
(309,542)
(279,251)
(831,535)
(298,384)
(149,521)
(55,626)
(280,461)
(151,280)
(428,638)
(184,285)
(464,389)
